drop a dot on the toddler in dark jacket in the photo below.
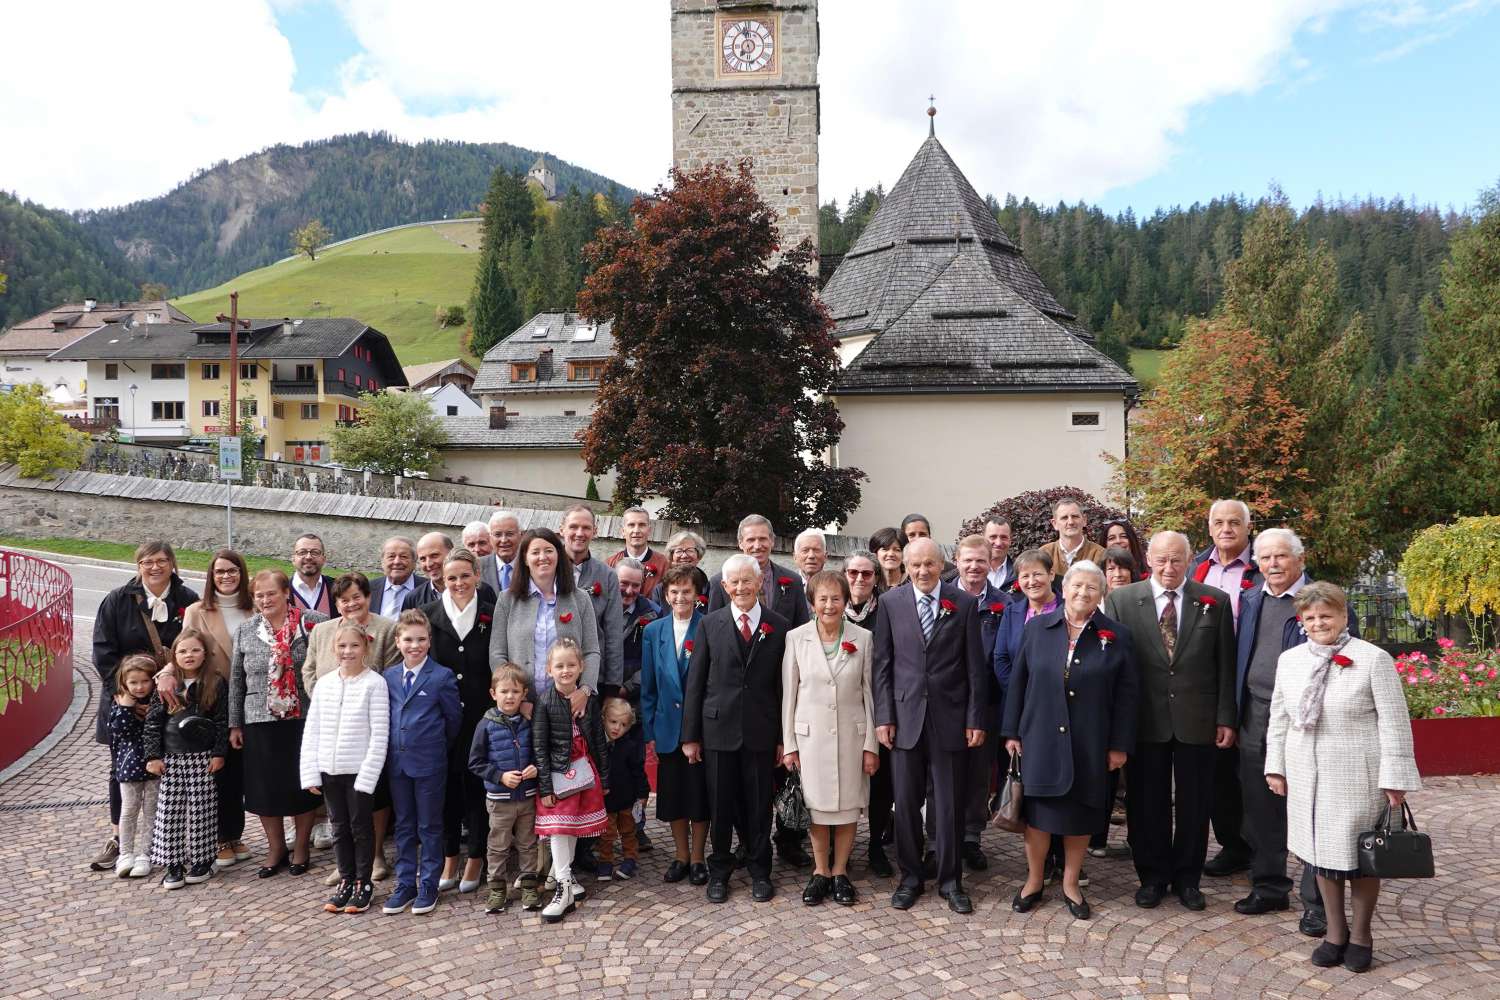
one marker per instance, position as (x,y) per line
(502,756)
(628,785)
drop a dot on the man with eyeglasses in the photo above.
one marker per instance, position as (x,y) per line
(311,587)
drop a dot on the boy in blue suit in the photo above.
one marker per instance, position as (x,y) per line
(424,724)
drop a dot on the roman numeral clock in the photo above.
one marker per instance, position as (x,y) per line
(748,45)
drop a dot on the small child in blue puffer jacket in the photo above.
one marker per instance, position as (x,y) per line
(501,755)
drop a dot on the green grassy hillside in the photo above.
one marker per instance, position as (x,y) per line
(393,281)
(1147,365)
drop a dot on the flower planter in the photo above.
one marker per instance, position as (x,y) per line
(1457,746)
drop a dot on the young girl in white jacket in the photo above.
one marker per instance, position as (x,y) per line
(343,750)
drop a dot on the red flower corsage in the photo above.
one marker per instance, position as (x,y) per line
(1206,602)
(1342,660)
(784,582)
(687,646)
(181,613)
(1246,583)
(595,590)
(1015,585)
(565,617)
(997,608)
(765,628)
(1105,638)
(484,622)
(946,608)
(702,600)
(848,647)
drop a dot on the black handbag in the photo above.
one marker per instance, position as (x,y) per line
(1007,814)
(1403,852)
(791,807)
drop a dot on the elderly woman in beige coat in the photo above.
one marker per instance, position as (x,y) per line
(828,730)
(1339,747)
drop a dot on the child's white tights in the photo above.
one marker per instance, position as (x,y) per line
(563,849)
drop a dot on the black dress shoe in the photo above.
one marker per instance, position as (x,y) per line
(761,890)
(271,869)
(1191,899)
(698,874)
(905,897)
(676,871)
(1025,904)
(1358,957)
(1080,909)
(1253,905)
(843,891)
(1313,924)
(718,890)
(297,868)
(974,857)
(958,900)
(791,852)
(818,888)
(1226,863)
(1326,956)
(1149,897)
(879,863)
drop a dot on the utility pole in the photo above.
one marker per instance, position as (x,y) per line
(234,411)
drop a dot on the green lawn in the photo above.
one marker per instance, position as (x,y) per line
(189,559)
(394,281)
(1147,365)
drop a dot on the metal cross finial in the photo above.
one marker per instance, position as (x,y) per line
(931,116)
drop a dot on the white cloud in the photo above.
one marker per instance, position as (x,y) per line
(105,103)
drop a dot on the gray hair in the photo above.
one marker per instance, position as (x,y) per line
(1175,536)
(474,528)
(810,533)
(738,563)
(1244,508)
(630,562)
(1286,535)
(635,510)
(1087,566)
(404,540)
(504,515)
(752,521)
(692,538)
(861,554)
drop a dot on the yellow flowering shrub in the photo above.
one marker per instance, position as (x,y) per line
(1455,569)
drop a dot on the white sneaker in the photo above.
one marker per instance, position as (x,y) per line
(562,903)
(322,837)
(123,864)
(141,868)
(332,878)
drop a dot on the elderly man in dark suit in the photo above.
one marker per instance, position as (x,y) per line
(731,722)
(1184,646)
(930,709)
(398,579)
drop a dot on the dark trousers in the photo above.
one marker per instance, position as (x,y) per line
(418,806)
(1265,829)
(1112,788)
(229,784)
(464,809)
(741,784)
(1229,808)
(350,814)
(882,798)
(910,772)
(116,801)
(1169,853)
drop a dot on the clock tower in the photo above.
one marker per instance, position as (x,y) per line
(745,85)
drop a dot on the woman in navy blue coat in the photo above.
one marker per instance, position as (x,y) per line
(1070,715)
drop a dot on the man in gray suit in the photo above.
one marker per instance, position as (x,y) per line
(505,534)
(600,583)
(1185,652)
(476,538)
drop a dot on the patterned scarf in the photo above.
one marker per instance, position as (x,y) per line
(1310,708)
(281,679)
(857,617)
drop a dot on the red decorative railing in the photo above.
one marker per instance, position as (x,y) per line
(36,651)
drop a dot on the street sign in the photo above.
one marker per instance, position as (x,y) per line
(230,468)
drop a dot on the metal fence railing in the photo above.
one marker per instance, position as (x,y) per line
(1385,616)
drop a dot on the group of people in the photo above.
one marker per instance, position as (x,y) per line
(492,701)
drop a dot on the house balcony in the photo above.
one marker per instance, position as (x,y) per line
(294,387)
(338,387)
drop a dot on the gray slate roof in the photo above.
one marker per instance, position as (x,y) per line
(518,432)
(558,332)
(931,210)
(968,332)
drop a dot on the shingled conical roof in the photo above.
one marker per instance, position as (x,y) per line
(932,210)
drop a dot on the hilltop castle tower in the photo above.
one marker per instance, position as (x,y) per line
(745,84)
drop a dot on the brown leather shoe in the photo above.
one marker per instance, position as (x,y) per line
(105,860)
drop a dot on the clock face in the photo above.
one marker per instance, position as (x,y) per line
(748,46)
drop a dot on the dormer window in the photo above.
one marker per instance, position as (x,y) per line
(523,371)
(584,371)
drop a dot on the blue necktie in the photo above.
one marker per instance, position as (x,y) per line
(505,568)
(409,675)
(924,612)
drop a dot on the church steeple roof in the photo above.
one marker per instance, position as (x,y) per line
(932,202)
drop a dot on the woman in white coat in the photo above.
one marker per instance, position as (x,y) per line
(1339,748)
(828,730)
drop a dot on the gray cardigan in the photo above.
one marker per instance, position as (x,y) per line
(249,665)
(514,636)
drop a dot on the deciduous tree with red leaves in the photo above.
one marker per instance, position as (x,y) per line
(716,397)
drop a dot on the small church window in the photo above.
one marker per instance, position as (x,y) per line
(1086,418)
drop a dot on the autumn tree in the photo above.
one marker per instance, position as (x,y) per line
(396,433)
(309,238)
(1211,429)
(152,291)
(717,394)
(34,436)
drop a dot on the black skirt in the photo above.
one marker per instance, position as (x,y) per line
(681,788)
(273,767)
(1063,815)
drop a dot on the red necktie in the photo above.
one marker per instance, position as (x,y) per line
(745,627)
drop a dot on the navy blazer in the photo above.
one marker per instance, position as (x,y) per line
(635,636)
(1067,731)
(1292,634)
(664,682)
(424,724)
(1007,645)
(938,686)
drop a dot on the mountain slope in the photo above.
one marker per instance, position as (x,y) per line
(48,259)
(394,281)
(237,216)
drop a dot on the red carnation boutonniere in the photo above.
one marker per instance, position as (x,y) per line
(702,600)
(595,590)
(687,646)
(997,608)
(1342,660)
(181,613)
(1206,602)
(784,582)
(565,617)
(848,647)
(946,608)
(1246,583)
(1015,585)
(764,630)
(1105,638)
(484,622)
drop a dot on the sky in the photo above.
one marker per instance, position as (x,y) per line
(1130,106)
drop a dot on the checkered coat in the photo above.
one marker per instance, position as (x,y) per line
(1335,771)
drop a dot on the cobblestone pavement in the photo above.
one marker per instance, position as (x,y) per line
(67,932)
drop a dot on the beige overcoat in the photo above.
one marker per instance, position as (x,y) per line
(828,719)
